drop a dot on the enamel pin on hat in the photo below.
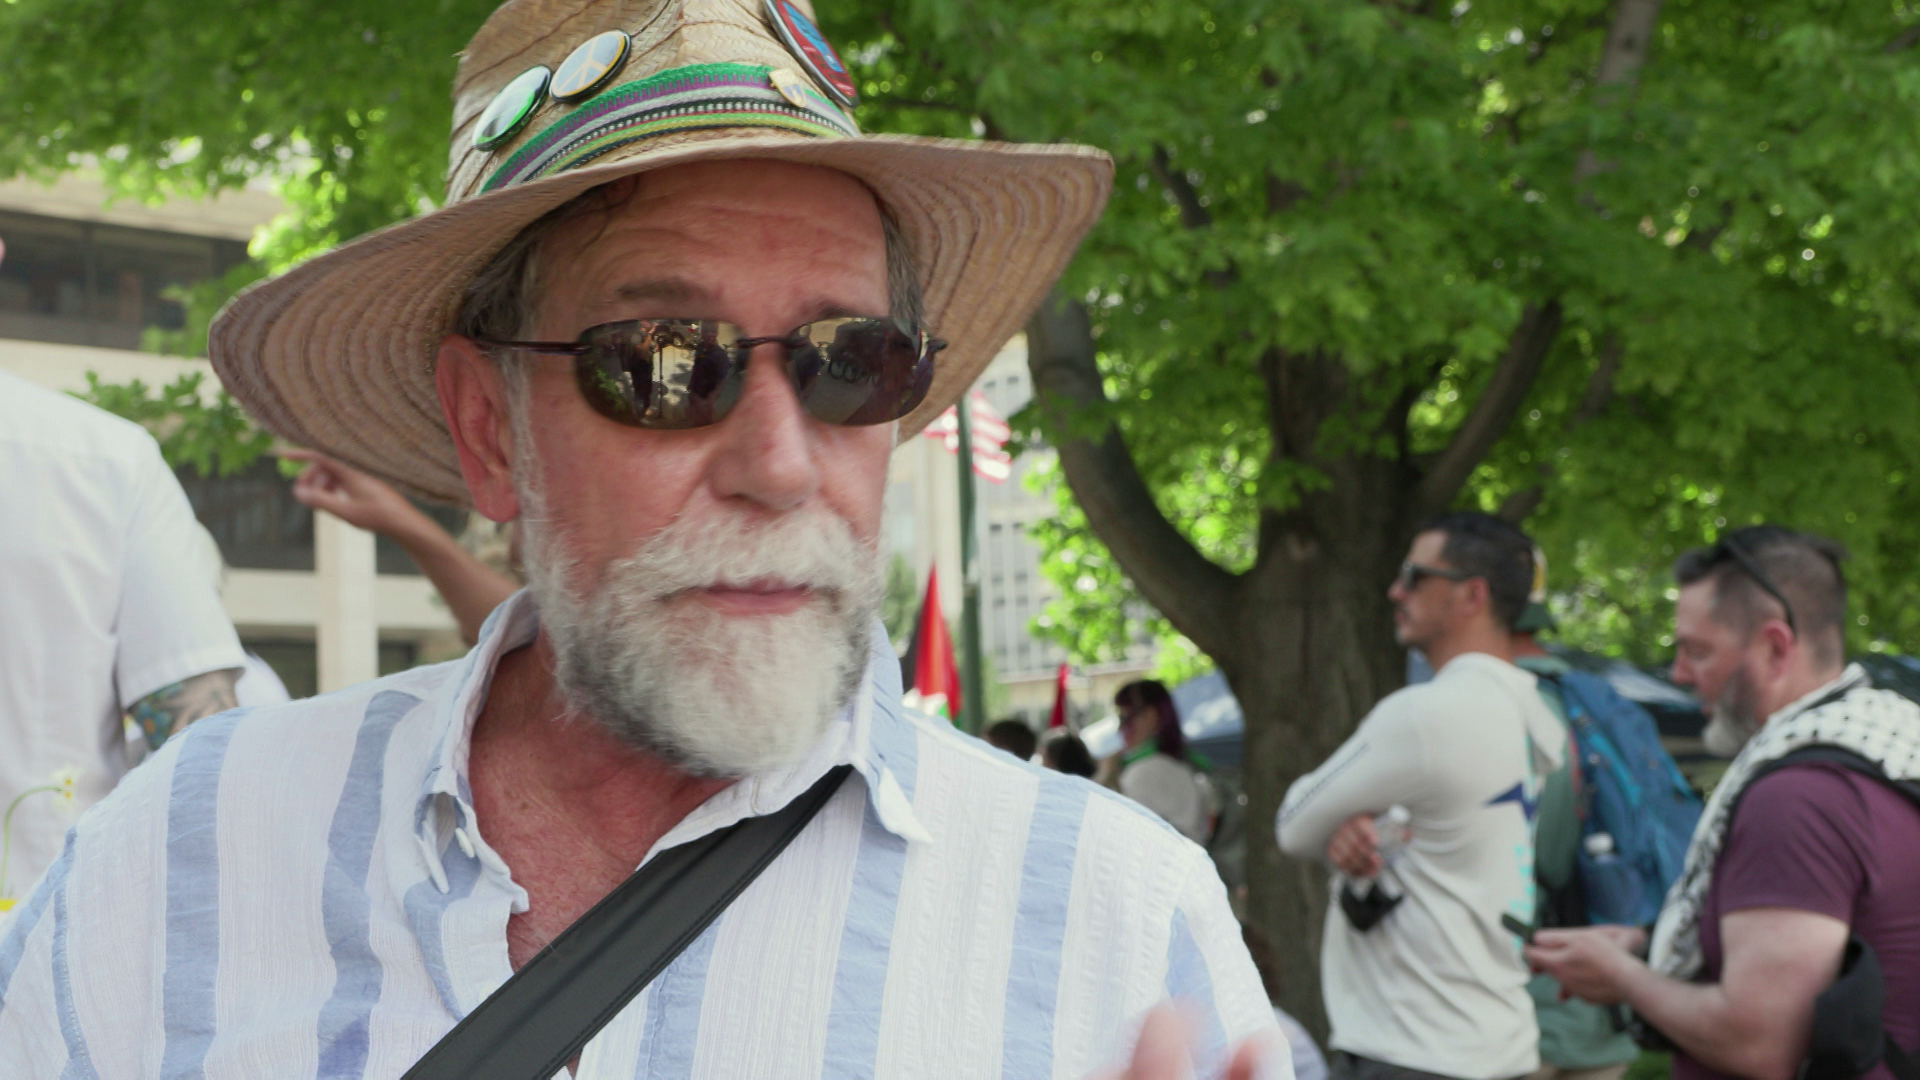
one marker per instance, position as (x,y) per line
(811,48)
(591,66)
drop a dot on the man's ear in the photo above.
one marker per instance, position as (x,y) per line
(1778,643)
(473,395)
(1479,594)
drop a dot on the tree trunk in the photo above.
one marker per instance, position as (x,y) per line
(1318,652)
(1304,637)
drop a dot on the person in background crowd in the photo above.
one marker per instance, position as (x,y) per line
(1155,770)
(681,357)
(1578,1040)
(1013,736)
(1795,857)
(106,609)
(1420,978)
(471,588)
(1064,752)
(1308,1062)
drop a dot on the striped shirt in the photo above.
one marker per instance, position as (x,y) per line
(303,890)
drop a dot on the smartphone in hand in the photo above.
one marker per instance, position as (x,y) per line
(1523,931)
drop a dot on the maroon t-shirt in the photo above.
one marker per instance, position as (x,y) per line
(1823,838)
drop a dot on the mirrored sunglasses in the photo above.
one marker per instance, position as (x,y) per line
(674,374)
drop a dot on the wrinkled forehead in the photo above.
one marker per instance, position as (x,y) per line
(699,234)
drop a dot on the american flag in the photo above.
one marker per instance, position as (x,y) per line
(990,435)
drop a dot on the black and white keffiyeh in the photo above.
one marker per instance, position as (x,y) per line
(1849,713)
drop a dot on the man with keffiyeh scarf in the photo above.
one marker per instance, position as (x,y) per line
(1808,849)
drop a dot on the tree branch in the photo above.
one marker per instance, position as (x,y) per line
(1600,385)
(1629,38)
(1192,214)
(1490,415)
(1192,591)
(1904,41)
(1520,505)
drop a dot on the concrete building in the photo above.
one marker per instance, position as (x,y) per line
(84,280)
(923,529)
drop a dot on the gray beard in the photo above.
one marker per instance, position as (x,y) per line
(1730,720)
(714,695)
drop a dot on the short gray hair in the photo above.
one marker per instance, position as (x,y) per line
(502,299)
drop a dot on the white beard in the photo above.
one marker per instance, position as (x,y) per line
(716,695)
(1730,720)
(1726,733)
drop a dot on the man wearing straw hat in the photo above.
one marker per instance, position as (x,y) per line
(673,319)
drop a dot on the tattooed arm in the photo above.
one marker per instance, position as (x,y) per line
(171,708)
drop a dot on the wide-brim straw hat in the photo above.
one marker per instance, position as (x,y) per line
(337,354)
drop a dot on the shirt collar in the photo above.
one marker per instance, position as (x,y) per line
(872,734)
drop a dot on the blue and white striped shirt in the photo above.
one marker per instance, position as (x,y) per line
(303,890)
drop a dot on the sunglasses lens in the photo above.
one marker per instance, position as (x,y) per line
(860,371)
(660,373)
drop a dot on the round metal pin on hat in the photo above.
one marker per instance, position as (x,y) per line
(812,49)
(511,107)
(591,66)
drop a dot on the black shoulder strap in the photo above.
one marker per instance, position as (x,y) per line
(542,1017)
(1846,759)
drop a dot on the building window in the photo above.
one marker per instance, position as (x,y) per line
(259,525)
(81,283)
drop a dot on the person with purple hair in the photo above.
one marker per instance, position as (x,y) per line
(1155,768)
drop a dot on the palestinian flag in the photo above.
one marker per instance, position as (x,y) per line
(931,674)
(1060,707)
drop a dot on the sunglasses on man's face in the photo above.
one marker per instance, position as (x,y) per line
(1412,574)
(674,374)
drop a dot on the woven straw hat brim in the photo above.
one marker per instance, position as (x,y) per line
(338,353)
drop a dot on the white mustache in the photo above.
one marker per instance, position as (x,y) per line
(815,550)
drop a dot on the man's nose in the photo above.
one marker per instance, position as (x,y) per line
(766,451)
(1682,673)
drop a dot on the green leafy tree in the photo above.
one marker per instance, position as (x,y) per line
(1631,271)
(207,432)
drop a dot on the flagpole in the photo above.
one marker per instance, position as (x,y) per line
(973,708)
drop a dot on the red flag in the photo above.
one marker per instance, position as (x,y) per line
(936,676)
(1059,718)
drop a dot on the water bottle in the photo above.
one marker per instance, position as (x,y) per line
(1613,886)
(1395,831)
(1363,900)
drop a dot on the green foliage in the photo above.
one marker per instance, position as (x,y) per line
(1391,184)
(209,433)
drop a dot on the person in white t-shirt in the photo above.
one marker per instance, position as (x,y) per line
(106,609)
(1419,976)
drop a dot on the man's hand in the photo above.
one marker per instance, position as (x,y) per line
(1590,962)
(1164,1053)
(1355,847)
(352,496)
